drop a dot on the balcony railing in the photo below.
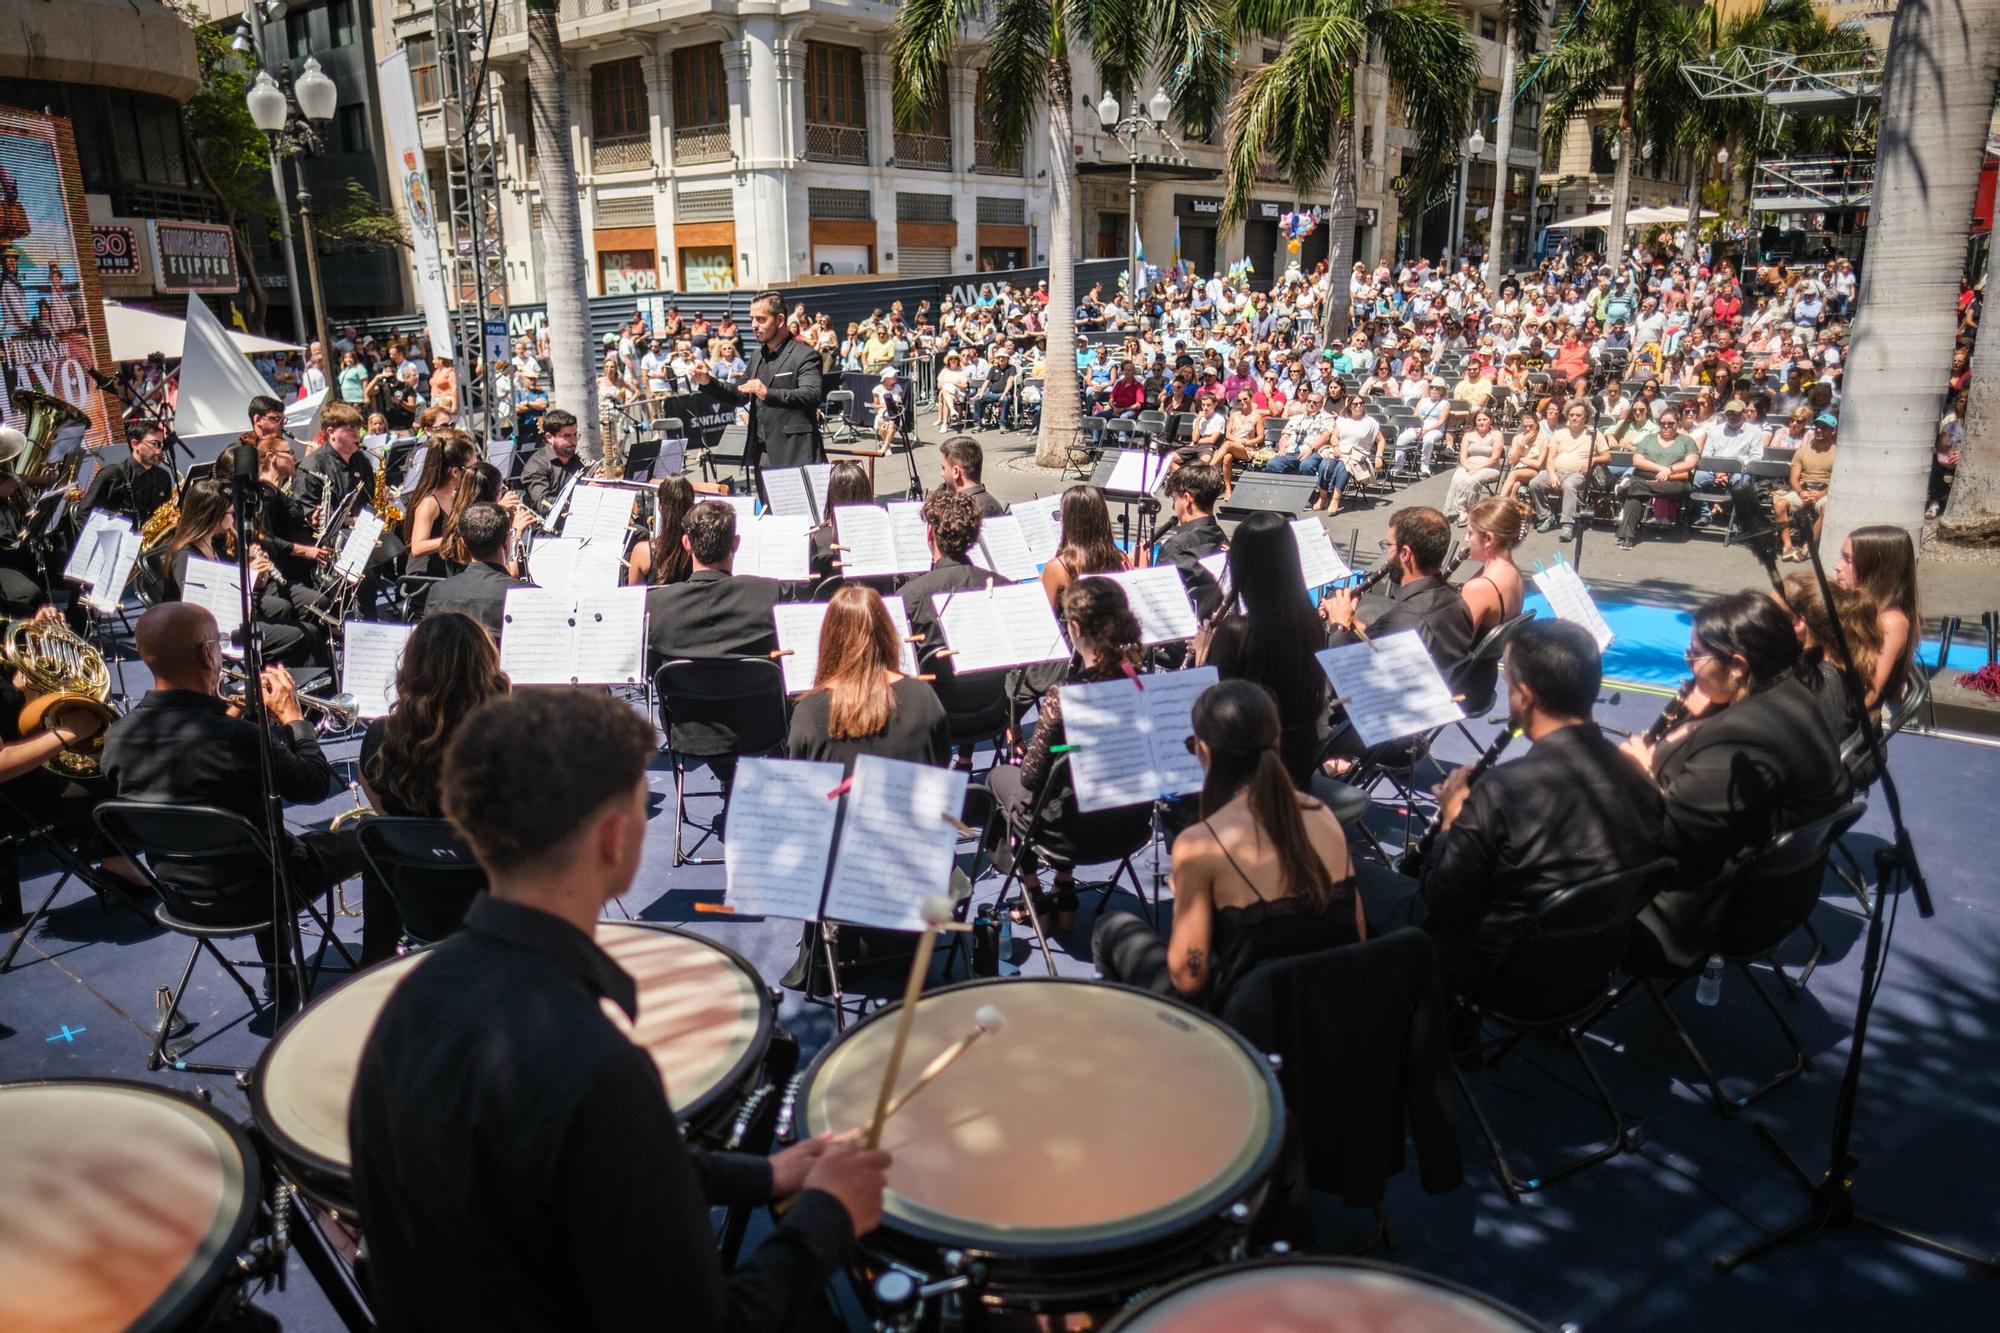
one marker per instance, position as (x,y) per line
(511,17)
(923,152)
(700,143)
(836,143)
(989,158)
(627,152)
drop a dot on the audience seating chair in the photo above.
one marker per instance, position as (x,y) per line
(715,711)
(1086,449)
(426,867)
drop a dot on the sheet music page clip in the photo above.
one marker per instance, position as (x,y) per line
(1132,675)
(845,786)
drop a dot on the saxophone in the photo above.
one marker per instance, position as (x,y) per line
(382,502)
(159,524)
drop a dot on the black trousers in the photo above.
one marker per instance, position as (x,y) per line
(315,861)
(1637,495)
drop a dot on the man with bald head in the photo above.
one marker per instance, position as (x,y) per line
(183,745)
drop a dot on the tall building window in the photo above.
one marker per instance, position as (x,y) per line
(423,54)
(701,93)
(617,99)
(340,22)
(833,85)
(298,35)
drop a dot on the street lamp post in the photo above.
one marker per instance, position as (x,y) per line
(1475,144)
(296,136)
(1126,129)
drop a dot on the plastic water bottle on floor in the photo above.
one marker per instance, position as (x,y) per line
(1008,967)
(1709,990)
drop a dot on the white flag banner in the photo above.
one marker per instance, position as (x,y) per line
(407,174)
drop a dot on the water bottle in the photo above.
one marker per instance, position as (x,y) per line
(985,942)
(1008,967)
(1709,990)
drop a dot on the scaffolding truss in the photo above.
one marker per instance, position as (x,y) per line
(472,161)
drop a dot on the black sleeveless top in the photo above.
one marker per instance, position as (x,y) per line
(1246,935)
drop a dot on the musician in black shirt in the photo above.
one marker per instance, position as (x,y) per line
(138,485)
(515,1154)
(554,464)
(1193,491)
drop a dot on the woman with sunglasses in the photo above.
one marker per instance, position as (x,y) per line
(1754,758)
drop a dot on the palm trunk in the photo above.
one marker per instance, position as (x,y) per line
(1503,144)
(1973,514)
(1692,242)
(1061,398)
(1621,178)
(1937,99)
(1340,225)
(565,274)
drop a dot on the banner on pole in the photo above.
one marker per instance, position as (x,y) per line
(406,154)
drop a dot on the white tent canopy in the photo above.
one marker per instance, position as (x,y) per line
(1633,217)
(137,334)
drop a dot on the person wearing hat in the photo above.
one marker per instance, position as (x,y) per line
(1732,439)
(1433,412)
(1806,488)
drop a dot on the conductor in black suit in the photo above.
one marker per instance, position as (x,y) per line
(781,383)
(712,613)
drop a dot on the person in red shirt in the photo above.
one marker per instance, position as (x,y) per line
(1727,306)
(1127,393)
(1573,357)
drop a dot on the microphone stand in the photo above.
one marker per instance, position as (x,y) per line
(153,414)
(1830,1203)
(287,947)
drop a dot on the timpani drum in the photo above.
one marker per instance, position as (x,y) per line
(703,1015)
(1311,1295)
(1107,1139)
(121,1206)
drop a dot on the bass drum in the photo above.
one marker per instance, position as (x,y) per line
(1106,1140)
(121,1206)
(703,1014)
(1306,1295)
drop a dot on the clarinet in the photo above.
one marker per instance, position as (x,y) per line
(1411,862)
(1381,571)
(1671,716)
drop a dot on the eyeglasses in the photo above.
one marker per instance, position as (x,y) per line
(1691,657)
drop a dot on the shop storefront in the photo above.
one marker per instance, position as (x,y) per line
(1198,216)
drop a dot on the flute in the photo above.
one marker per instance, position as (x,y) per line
(1411,862)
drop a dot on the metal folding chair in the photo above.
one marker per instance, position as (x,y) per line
(716,711)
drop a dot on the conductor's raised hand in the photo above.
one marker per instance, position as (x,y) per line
(698,372)
(856,1176)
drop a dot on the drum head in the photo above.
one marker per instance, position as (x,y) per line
(702,1015)
(1319,1296)
(1099,1116)
(121,1205)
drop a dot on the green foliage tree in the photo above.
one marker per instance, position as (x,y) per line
(231,156)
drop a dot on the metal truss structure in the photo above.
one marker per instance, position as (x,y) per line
(1788,84)
(476,261)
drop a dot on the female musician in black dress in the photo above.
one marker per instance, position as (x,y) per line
(1264,874)
(207,530)
(446,457)
(1271,634)
(449,668)
(846,484)
(861,702)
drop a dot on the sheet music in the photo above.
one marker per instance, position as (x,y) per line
(1391,685)
(673,457)
(1040,526)
(600,513)
(372,651)
(1159,599)
(217,586)
(874,547)
(1005,625)
(1569,597)
(571,565)
(352,562)
(786,490)
(775,546)
(109,589)
(1136,471)
(896,846)
(610,637)
(94,548)
(799,625)
(563,497)
(913,539)
(1132,742)
(1318,561)
(1003,548)
(1217,565)
(781,825)
(538,636)
(744,505)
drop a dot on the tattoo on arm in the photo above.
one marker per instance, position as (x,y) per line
(1194,961)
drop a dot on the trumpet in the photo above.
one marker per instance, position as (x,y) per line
(339,712)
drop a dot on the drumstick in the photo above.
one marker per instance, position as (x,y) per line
(988,1019)
(935,911)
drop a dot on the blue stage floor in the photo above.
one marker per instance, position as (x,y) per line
(1624,1246)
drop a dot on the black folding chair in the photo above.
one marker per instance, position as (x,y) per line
(716,711)
(1593,919)
(214,874)
(1772,890)
(977,706)
(1477,674)
(1085,450)
(426,868)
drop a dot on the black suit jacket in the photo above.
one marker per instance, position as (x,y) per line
(479,590)
(324,477)
(1764,764)
(784,424)
(543,478)
(712,614)
(1183,546)
(1435,610)
(128,489)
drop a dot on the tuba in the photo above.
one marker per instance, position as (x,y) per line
(59,671)
(46,415)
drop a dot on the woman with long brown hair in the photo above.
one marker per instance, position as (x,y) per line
(207,531)
(480,482)
(446,457)
(1859,627)
(861,702)
(449,668)
(847,483)
(1264,874)
(664,559)
(1087,546)
(1881,561)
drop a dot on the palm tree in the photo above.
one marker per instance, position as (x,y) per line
(1627,49)
(1937,100)
(1028,45)
(1524,24)
(565,279)
(1302,105)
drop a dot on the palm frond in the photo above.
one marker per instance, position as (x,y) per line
(1197,55)
(1120,38)
(1527,16)
(1260,104)
(1021,38)
(1271,18)
(1573,76)
(920,50)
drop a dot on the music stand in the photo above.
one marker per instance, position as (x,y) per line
(644,459)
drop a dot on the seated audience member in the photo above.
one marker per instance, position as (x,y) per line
(962,462)
(1270,635)
(1264,874)
(1859,628)
(1754,759)
(1806,486)
(713,612)
(1568,460)
(1662,464)
(449,667)
(861,702)
(182,745)
(1880,560)
(1482,452)
(480,589)
(498,1110)
(1569,810)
